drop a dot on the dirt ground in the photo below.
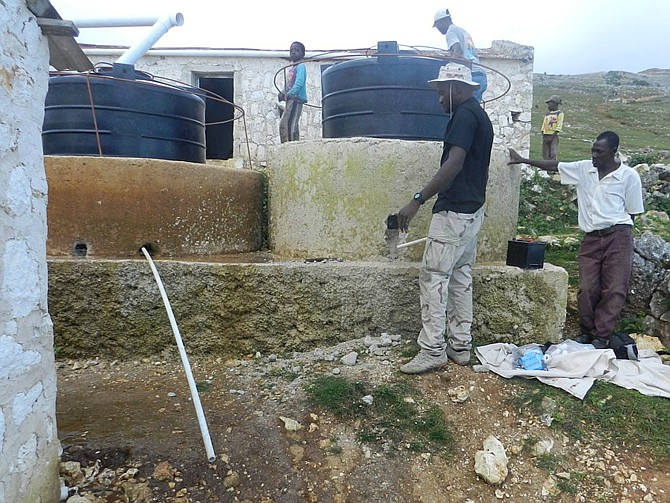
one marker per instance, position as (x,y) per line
(133,430)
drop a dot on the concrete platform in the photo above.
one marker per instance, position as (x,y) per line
(112,308)
(331,198)
(112,206)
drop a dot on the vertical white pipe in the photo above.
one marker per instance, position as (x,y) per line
(160,28)
(211,457)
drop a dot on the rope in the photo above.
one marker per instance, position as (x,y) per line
(175,85)
(337,55)
(95,119)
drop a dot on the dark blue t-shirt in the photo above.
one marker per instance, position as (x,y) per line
(469,128)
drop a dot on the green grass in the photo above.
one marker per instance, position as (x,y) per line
(637,107)
(549,462)
(567,259)
(399,417)
(624,417)
(203,386)
(337,395)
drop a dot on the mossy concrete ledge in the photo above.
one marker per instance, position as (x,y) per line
(112,308)
(331,198)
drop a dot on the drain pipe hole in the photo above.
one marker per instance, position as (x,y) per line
(79,249)
(152,248)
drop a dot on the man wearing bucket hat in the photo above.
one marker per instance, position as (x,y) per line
(445,278)
(551,126)
(459,42)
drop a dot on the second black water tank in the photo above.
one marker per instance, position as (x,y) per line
(86,115)
(386,96)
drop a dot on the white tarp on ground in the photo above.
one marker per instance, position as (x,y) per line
(576,372)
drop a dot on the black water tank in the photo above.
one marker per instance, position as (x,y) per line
(386,96)
(135,118)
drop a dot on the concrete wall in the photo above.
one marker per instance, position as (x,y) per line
(111,207)
(331,198)
(29,447)
(510,89)
(113,309)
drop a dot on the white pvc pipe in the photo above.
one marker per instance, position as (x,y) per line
(160,28)
(116,22)
(412,243)
(211,457)
(215,53)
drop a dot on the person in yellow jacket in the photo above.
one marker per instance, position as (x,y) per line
(551,126)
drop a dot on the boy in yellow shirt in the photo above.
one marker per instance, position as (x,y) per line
(551,126)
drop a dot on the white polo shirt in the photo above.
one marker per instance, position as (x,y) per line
(607,202)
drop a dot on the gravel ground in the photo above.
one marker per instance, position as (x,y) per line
(130,434)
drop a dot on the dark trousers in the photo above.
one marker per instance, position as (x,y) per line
(605,264)
(290,121)
(550,147)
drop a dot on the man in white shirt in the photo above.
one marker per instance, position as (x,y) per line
(460,44)
(609,195)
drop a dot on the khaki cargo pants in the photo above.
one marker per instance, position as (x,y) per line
(445,281)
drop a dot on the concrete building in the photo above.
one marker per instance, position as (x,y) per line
(251,80)
(29,447)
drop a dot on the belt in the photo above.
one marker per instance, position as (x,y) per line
(609,230)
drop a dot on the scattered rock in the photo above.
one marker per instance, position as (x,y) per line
(137,492)
(459,394)
(550,487)
(77,499)
(491,463)
(290,424)
(543,447)
(232,479)
(349,359)
(72,473)
(163,471)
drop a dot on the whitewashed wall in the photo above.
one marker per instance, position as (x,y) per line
(255,91)
(29,447)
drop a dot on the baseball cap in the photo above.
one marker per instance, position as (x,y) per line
(441,14)
(555,99)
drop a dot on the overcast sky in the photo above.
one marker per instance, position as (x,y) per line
(569,36)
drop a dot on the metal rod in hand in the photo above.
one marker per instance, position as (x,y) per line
(211,457)
(412,243)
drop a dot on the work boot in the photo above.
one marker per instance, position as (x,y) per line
(423,362)
(584,339)
(601,342)
(460,357)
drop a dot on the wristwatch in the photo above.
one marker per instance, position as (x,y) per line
(419,198)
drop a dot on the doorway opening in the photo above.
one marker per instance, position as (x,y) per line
(218,116)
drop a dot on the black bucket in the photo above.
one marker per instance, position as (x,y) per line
(386,96)
(134,118)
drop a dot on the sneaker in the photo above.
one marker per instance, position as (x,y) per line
(601,342)
(461,357)
(584,339)
(423,362)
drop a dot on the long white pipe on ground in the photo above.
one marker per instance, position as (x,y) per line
(211,457)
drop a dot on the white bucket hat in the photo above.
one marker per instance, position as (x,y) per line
(453,72)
